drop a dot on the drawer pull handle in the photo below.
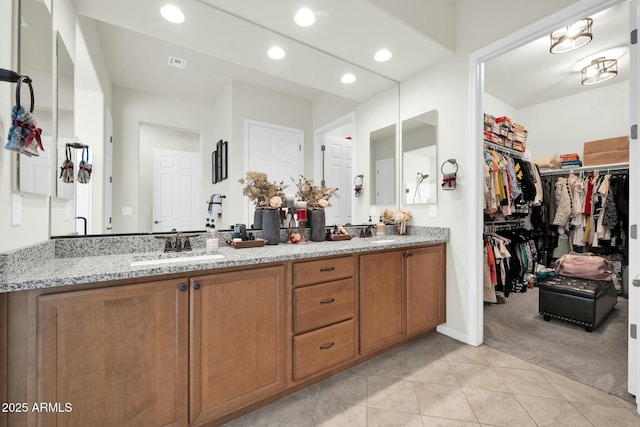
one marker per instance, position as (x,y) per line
(327,346)
(324,270)
(327,301)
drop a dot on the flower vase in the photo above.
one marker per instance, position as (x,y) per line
(257,219)
(271,226)
(318,225)
(401,227)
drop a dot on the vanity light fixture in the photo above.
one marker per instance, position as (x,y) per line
(600,70)
(304,17)
(382,55)
(348,79)
(276,52)
(572,36)
(172,14)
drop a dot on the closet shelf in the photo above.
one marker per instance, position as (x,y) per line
(601,168)
(497,147)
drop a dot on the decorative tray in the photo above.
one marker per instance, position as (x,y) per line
(336,237)
(247,243)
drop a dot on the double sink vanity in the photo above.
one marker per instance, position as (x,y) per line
(126,337)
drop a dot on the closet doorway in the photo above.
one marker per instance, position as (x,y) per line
(480,102)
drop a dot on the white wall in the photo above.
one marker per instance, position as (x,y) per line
(564,125)
(130,108)
(444,87)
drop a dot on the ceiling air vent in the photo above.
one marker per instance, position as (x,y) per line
(177,62)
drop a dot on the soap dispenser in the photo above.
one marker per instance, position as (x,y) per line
(380,228)
(211,236)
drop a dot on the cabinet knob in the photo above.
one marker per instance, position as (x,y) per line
(327,346)
(327,301)
(324,270)
(183,287)
(196,285)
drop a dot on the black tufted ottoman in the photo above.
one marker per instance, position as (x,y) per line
(584,302)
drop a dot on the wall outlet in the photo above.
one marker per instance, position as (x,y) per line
(433,211)
(127,211)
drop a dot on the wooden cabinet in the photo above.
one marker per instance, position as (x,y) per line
(402,293)
(382,300)
(117,355)
(324,312)
(425,276)
(237,343)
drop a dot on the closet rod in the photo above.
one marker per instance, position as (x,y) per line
(602,168)
(497,147)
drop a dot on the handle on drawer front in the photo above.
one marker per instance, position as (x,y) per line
(324,270)
(327,301)
(327,346)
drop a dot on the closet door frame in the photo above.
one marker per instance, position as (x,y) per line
(578,10)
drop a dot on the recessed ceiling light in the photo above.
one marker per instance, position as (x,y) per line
(276,52)
(382,55)
(304,17)
(348,78)
(172,14)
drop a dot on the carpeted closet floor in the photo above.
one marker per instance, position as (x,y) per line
(597,358)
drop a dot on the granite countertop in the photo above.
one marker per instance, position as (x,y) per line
(53,271)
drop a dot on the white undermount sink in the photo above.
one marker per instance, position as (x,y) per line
(173,258)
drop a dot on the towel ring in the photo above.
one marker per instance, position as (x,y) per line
(453,162)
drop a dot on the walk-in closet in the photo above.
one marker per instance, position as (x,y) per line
(556,181)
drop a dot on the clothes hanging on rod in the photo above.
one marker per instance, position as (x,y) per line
(510,257)
(511,185)
(592,209)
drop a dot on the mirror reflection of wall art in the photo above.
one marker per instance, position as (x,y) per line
(219,162)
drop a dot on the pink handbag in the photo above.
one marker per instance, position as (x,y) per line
(584,266)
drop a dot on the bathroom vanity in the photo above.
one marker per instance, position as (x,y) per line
(199,342)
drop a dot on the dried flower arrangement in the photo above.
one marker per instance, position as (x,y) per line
(392,217)
(262,192)
(316,196)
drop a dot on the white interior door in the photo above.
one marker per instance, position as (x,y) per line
(338,157)
(634,213)
(177,181)
(275,150)
(385,177)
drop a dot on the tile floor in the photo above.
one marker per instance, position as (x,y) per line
(437,381)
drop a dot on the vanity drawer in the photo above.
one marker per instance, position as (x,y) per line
(323,348)
(320,305)
(324,270)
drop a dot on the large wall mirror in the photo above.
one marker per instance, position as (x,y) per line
(35,174)
(419,159)
(151,76)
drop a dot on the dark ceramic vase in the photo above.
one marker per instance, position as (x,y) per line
(257,219)
(318,225)
(271,226)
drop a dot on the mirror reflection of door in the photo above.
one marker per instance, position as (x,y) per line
(384,181)
(382,164)
(276,151)
(338,155)
(170,195)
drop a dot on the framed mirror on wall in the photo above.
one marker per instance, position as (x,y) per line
(383,166)
(419,159)
(36,174)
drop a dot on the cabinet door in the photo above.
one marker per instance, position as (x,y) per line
(382,300)
(425,289)
(237,340)
(117,356)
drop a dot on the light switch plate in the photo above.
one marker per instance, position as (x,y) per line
(433,211)
(126,211)
(16,209)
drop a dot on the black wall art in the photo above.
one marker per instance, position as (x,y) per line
(219,162)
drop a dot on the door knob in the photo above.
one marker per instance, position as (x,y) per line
(157,222)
